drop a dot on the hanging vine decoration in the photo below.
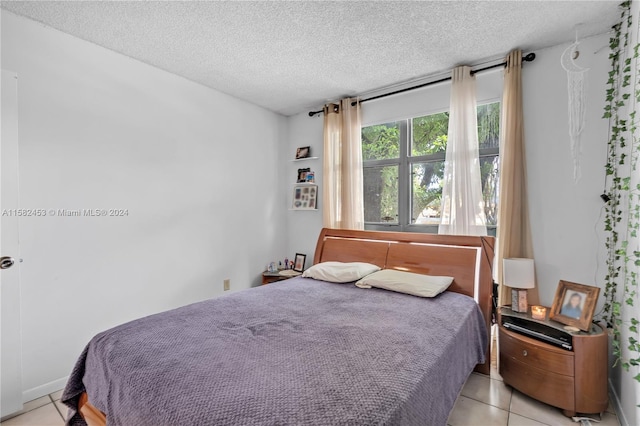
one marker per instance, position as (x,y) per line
(622,220)
(632,259)
(611,209)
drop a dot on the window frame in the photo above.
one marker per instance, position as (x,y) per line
(405,162)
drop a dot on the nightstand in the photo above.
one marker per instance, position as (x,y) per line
(272,277)
(541,359)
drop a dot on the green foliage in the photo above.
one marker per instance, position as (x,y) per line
(428,138)
(427,189)
(381,141)
(489,125)
(430,134)
(622,219)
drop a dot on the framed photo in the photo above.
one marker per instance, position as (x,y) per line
(574,304)
(302,174)
(303,152)
(305,197)
(298,264)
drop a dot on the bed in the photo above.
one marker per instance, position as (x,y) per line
(302,351)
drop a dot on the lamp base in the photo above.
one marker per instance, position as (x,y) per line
(519,300)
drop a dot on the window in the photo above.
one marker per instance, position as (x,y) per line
(404,168)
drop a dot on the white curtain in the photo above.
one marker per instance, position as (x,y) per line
(462,203)
(343,200)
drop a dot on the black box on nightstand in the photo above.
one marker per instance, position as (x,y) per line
(543,330)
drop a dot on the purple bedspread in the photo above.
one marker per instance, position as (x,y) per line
(298,352)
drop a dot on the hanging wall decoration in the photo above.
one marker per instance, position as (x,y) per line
(577,82)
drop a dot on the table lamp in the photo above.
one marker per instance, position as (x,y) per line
(518,274)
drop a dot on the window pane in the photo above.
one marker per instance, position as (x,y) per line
(426,192)
(381,142)
(489,125)
(489,169)
(381,194)
(429,134)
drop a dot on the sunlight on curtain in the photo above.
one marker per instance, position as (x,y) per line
(343,205)
(514,231)
(462,203)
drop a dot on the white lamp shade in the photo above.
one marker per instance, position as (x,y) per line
(518,273)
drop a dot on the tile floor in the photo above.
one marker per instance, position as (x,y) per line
(45,411)
(484,401)
(487,401)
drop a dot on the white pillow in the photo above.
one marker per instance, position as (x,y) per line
(406,282)
(339,272)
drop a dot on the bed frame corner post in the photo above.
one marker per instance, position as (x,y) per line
(486,303)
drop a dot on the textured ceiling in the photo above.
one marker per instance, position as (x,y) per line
(290,56)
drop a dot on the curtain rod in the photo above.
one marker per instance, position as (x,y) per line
(528,58)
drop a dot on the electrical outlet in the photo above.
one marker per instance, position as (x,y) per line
(226,284)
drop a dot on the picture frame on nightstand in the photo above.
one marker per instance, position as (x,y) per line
(574,304)
(299,261)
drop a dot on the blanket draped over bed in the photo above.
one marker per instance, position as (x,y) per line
(299,352)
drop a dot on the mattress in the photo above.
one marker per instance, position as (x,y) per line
(297,352)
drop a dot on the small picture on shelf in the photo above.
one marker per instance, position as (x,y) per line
(304,197)
(311,177)
(302,174)
(303,152)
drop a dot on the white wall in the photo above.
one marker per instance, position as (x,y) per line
(565,216)
(196,169)
(304,225)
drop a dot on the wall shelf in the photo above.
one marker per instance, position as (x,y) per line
(305,159)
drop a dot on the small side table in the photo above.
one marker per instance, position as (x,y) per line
(574,380)
(272,277)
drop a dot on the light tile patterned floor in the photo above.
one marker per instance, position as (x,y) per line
(485,400)
(45,411)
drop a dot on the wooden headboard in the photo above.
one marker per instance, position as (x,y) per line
(468,260)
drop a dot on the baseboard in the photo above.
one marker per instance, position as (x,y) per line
(42,390)
(617,405)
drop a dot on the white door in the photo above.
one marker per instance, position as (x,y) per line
(10,340)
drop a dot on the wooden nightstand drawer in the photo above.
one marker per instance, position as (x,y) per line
(553,389)
(532,352)
(268,279)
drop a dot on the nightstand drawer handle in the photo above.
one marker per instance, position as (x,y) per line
(524,353)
